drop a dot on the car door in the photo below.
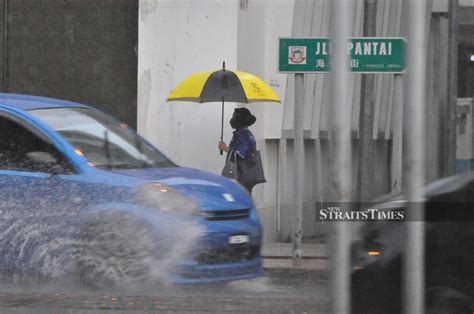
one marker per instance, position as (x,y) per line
(35,200)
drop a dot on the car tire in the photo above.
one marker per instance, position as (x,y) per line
(115,252)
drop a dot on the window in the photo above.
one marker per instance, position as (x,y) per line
(101,139)
(16,145)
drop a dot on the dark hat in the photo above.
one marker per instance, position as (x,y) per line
(246,118)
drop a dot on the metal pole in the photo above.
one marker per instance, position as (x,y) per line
(365,188)
(397,138)
(298,146)
(413,275)
(341,142)
(450,146)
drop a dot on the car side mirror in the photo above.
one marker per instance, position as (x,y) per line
(46,160)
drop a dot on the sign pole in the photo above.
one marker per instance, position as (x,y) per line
(396,166)
(419,15)
(366,149)
(298,147)
(341,178)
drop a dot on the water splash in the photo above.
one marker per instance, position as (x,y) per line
(42,241)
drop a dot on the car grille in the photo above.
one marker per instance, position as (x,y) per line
(227,214)
(230,255)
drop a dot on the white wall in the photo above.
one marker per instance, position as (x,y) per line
(176,39)
(260,26)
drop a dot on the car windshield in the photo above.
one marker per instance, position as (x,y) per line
(104,141)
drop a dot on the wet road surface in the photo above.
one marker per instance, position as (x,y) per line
(282,291)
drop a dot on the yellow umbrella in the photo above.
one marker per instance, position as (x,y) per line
(223,85)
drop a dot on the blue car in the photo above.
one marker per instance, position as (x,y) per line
(83,194)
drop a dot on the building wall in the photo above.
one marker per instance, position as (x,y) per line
(465,51)
(3,47)
(176,39)
(466,3)
(82,51)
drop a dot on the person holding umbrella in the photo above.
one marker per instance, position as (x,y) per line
(243,142)
(231,86)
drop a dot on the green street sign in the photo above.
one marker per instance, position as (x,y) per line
(367,55)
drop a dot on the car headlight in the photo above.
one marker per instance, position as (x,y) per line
(366,251)
(167,199)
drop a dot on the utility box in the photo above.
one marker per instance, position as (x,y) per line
(464,136)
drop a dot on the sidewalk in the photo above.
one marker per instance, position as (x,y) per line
(278,255)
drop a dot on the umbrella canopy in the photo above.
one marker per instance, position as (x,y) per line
(223,85)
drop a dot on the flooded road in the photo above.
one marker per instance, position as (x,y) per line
(282,291)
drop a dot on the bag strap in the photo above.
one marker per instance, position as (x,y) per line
(230,153)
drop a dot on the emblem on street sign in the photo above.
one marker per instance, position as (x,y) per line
(297,55)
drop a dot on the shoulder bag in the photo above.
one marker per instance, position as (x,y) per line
(230,169)
(251,170)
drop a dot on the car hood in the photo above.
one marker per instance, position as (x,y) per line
(207,190)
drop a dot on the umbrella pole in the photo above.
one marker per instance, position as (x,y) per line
(222,124)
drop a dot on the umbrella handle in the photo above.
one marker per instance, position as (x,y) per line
(222,123)
(221,152)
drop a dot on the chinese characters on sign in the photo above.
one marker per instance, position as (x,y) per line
(367,55)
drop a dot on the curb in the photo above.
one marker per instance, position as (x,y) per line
(320,264)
